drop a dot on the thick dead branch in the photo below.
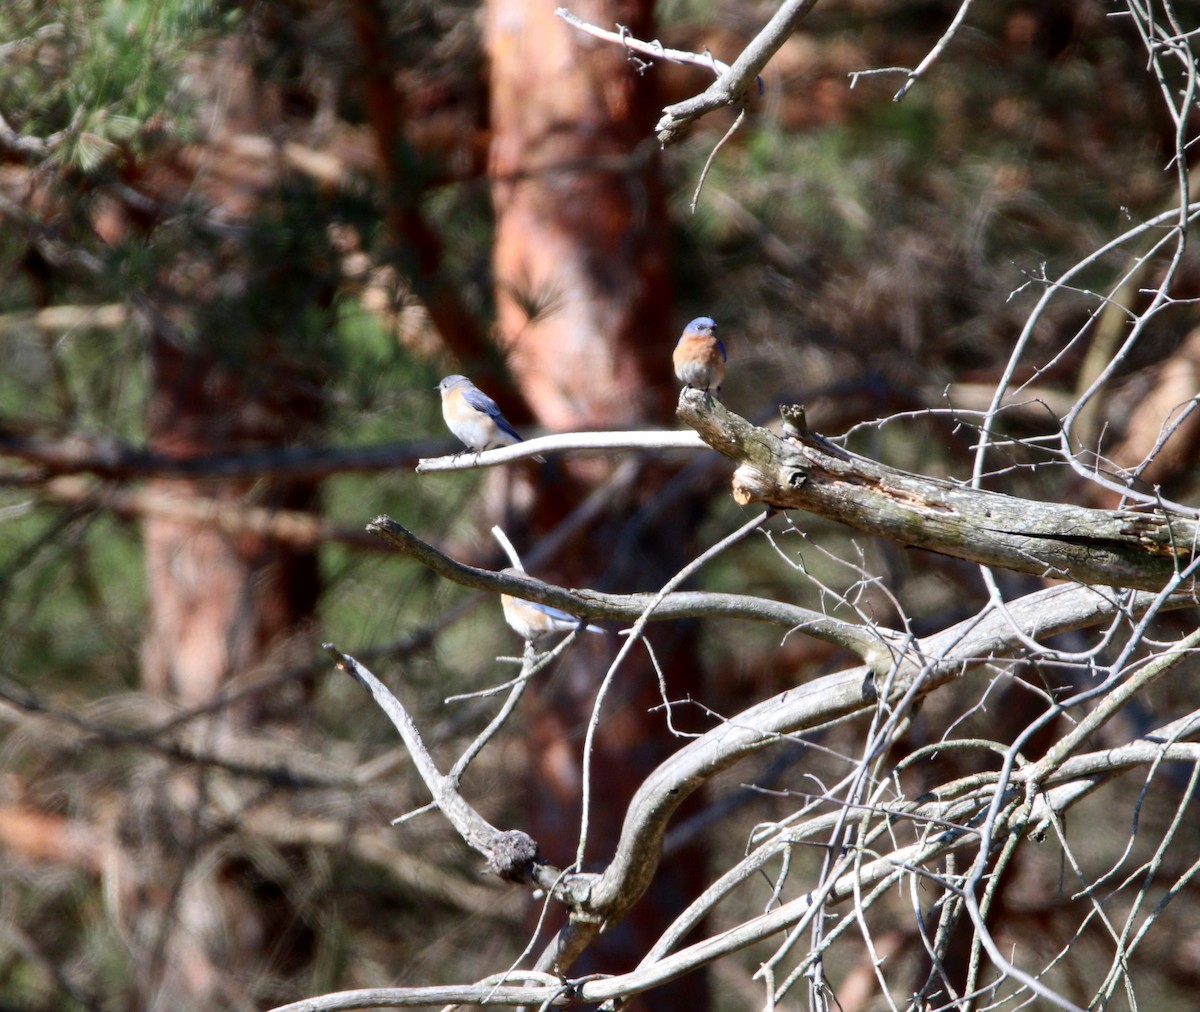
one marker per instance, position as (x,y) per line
(948,655)
(944,657)
(1114,548)
(931,663)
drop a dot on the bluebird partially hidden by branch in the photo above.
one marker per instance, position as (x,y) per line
(699,356)
(473,416)
(535,621)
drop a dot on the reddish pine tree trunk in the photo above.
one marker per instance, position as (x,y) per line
(220,604)
(583,285)
(583,293)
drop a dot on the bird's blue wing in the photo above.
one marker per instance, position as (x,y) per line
(554,613)
(480,401)
(721,345)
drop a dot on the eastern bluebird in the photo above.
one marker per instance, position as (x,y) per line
(536,621)
(699,357)
(473,416)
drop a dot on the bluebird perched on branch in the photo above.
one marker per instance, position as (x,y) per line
(699,357)
(473,416)
(536,621)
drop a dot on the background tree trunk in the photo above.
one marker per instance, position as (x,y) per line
(583,297)
(219,604)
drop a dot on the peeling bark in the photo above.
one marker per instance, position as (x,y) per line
(1117,548)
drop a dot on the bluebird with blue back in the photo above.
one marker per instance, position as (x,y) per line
(473,416)
(535,621)
(699,356)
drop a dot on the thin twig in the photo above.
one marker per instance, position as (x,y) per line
(935,52)
(741,118)
(655,50)
(590,442)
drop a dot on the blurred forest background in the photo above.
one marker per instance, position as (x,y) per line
(240,244)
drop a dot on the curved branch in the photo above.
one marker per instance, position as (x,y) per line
(1078,778)
(876,645)
(511,854)
(23,146)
